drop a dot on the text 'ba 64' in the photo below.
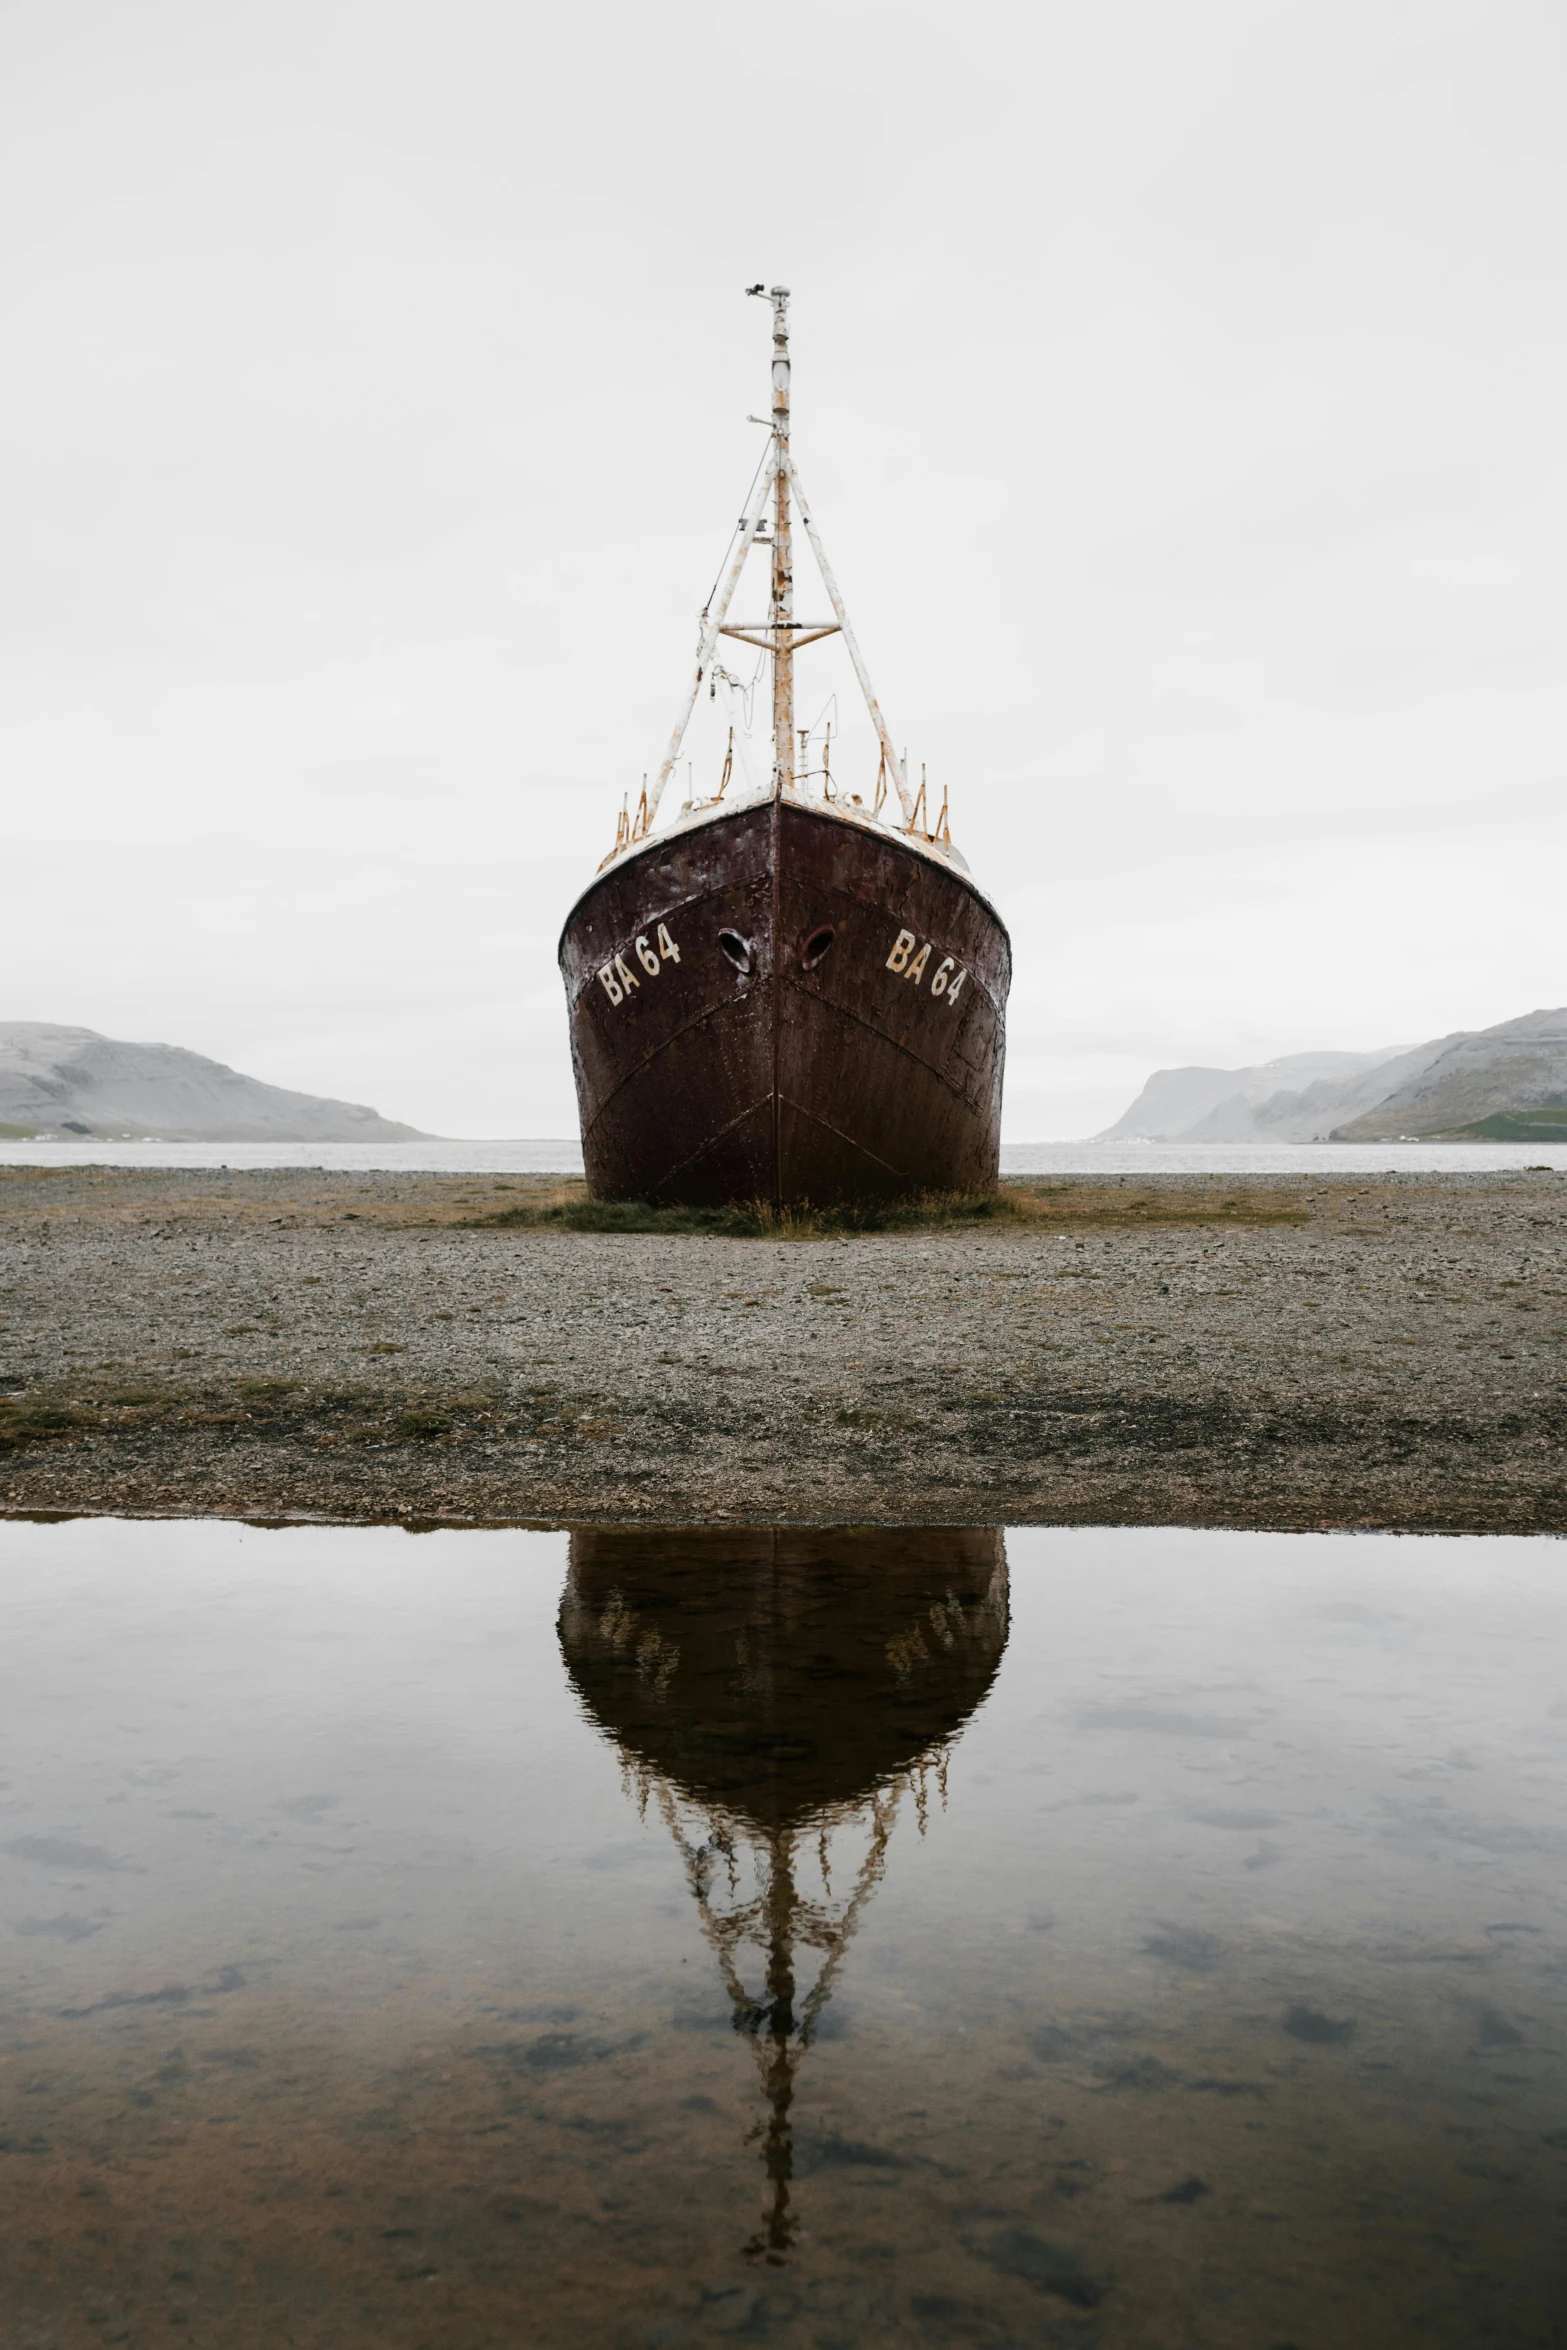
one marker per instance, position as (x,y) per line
(617,979)
(909,965)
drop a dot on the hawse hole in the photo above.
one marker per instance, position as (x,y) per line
(737,949)
(816,946)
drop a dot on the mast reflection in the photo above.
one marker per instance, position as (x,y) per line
(778,1694)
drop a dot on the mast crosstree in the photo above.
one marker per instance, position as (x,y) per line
(781,635)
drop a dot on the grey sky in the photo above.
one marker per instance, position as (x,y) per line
(1179,388)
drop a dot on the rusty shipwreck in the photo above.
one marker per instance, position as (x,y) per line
(793,991)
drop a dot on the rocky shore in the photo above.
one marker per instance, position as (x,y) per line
(1287,1351)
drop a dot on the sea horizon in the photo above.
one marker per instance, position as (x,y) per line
(562,1155)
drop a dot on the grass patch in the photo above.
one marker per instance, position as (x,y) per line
(419,1424)
(1546,1124)
(1111,1207)
(27,1420)
(287,1410)
(573,1211)
(1016,1205)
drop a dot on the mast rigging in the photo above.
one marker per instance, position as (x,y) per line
(780,635)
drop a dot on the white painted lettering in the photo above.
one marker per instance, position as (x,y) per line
(901,946)
(617,978)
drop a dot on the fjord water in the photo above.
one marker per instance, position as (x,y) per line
(562,1155)
(1146,1938)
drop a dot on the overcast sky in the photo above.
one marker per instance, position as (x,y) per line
(1179,385)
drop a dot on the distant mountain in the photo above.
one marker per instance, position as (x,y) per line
(1470,1085)
(71,1081)
(1507,1083)
(1298,1098)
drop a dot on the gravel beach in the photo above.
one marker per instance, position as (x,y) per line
(1284,1351)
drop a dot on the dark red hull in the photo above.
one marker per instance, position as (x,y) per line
(780,1004)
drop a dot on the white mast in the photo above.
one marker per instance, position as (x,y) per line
(781,612)
(781,635)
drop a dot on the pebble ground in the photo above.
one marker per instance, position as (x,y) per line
(1290,1351)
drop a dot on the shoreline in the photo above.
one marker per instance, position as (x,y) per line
(1291,1351)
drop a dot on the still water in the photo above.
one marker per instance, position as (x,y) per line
(431,1941)
(563,1156)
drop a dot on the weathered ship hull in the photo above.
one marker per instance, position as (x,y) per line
(785,1004)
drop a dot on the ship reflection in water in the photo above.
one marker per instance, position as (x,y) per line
(1123,1939)
(780,1697)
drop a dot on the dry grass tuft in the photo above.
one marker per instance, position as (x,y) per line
(1022,1205)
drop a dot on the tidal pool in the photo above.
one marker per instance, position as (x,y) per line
(431,1941)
